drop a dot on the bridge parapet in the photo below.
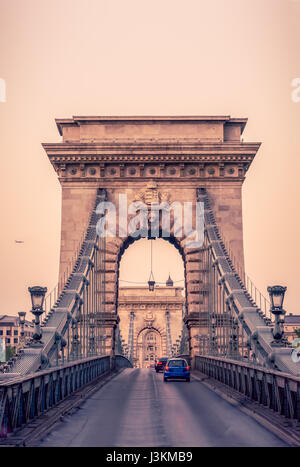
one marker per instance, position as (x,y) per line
(23,398)
(122,362)
(274,389)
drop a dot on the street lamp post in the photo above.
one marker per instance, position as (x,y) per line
(276,293)
(22,315)
(37,299)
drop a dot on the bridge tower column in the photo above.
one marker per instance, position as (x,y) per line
(107,270)
(196,313)
(192,323)
(108,323)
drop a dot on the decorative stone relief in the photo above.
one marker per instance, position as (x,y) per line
(152,195)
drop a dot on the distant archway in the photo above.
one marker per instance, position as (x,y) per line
(149,347)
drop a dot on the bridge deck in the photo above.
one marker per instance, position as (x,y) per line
(138,409)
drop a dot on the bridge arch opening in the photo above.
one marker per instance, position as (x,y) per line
(151,322)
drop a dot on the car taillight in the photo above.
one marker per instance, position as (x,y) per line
(167,368)
(187,368)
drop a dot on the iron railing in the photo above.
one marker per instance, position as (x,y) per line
(22,399)
(273,389)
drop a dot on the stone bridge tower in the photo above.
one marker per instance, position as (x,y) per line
(151,159)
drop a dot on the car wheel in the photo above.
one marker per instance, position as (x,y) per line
(156,371)
(188,380)
(165,380)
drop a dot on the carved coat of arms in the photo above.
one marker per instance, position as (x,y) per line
(152,195)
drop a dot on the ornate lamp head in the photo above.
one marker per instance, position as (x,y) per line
(22,315)
(276,293)
(37,297)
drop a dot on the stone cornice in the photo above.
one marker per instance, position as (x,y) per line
(118,158)
(92,156)
(156,147)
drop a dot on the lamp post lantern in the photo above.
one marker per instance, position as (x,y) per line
(37,299)
(276,293)
(151,281)
(151,285)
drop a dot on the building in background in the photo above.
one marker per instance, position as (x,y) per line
(10,330)
(150,322)
(291,324)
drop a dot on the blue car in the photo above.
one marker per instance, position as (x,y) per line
(177,368)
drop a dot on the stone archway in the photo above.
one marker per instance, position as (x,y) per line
(148,347)
(151,309)
(140,310)
(192,260)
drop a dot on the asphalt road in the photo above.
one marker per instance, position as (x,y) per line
(137,408)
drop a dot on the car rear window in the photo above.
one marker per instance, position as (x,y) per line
(177,363)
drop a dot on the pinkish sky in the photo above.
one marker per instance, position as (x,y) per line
(61,58)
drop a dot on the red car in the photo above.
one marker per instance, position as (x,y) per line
(160,364)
